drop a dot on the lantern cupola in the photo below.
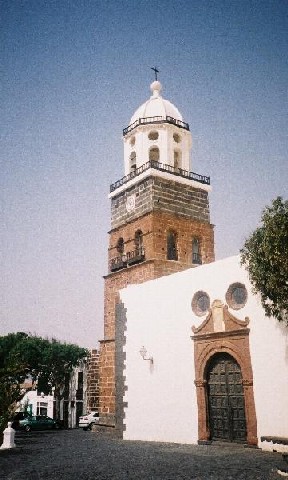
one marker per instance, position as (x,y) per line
(156,133)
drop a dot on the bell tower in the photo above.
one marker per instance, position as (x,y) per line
(160,220)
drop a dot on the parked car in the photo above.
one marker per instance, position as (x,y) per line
(17,417)
(86,421)
(38,422)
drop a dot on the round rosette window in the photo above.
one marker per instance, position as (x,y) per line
(200,303)
(236,296)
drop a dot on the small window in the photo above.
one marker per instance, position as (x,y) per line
(42,408)
(196,257)
(172,253)
(80,380)
(132,141)
(153,135)
(176,138)
(138,241)
(154,154)
(177,159)
(133,162)
(120,246)
(200,303)
(236,296)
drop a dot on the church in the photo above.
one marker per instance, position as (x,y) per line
(188,355)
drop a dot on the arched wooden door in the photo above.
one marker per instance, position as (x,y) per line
(226,403)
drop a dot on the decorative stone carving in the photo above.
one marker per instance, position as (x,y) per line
(200,383)
(219,319)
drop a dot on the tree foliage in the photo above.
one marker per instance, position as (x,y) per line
(265,256)
(45,361)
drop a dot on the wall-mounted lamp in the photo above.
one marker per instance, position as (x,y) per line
(143,353)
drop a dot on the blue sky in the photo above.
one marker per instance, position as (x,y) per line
(73,74)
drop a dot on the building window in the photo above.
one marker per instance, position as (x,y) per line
(79,391)
(132,141)
(154,154)
(133,162)
(196,257)
(42,408)
(138,242)
(200,303)
(177,159)
(153,135)
(236,296)
(172,253)
(120,246)
(176,138)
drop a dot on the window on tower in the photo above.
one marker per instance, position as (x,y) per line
(177,159)
(153,135)
(176,138)
(196,257)
(138,242)
(120,246)
(154,154)
(133,162)
(172,253)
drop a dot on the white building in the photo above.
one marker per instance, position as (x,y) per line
(37,404)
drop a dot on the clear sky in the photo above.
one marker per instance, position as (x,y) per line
(73,73)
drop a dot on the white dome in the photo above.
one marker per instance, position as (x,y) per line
(156,106)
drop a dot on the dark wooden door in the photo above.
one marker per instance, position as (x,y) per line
(226,400)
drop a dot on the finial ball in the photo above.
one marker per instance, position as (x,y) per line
(156,86)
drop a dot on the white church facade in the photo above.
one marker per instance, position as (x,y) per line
(234,387)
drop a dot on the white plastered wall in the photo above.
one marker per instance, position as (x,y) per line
(161,397)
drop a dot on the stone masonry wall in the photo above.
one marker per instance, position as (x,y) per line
(107,382)
(156,193)
(155,226)
(93,381)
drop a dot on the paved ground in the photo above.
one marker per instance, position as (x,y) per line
(78,455)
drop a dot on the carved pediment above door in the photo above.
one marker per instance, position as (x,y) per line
(218,320)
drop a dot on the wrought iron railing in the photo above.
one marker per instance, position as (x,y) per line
(156,119)
(163,167)
(127,259)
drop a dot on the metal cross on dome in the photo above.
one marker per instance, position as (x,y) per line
(155,71)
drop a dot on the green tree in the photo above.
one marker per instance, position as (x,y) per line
(265,256)
(45,361)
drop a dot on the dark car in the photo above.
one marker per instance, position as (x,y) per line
(38,422)
(17,417)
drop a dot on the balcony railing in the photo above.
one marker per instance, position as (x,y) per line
(163,167)
(156,119)
(127,259)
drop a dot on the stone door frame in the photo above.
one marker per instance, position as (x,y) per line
(232,339)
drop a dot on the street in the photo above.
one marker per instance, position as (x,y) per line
(79,455)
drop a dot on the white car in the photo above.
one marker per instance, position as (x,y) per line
(86,421)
